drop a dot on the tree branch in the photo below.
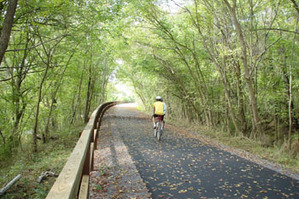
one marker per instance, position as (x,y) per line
(295,6)
(278,29)
(37,45)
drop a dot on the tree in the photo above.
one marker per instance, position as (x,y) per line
(218,52)
(7,26)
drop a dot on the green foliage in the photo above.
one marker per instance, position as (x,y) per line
(196,53)
(72,42)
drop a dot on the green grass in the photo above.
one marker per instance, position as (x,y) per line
(51,157)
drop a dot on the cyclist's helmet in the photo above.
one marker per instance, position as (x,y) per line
(158,98)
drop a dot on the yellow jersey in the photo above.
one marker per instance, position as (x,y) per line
(159,108)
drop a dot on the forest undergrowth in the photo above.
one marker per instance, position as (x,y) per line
(51,157)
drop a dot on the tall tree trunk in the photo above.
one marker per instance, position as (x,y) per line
(290,88)
(7,26)
(247,73)
(88,96)
(287,79)
(18,74)
(104,80)
(47,63)
(35,129)
(241,111)
(228,98)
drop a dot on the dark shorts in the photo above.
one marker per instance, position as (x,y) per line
(155,115)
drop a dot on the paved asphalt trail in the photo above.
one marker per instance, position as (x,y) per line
(183,167)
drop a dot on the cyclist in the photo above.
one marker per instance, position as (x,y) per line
(159,109)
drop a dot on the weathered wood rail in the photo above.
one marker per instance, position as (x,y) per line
(73,180)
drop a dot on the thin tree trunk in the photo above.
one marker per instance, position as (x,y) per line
(37,109)
(197,84)
(3,138)
(7,26)
(53,100)
(227,119)
(46,134)
(143,100)
(78,98)
(290,114)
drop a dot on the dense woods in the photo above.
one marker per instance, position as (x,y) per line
(228,64)
(225,64)
(55,69)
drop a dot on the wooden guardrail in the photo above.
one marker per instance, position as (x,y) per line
(73,180)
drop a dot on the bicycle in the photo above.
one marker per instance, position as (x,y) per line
(158,131)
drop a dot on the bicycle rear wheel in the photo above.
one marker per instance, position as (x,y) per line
(158,135)
(156,129)
(159,131)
